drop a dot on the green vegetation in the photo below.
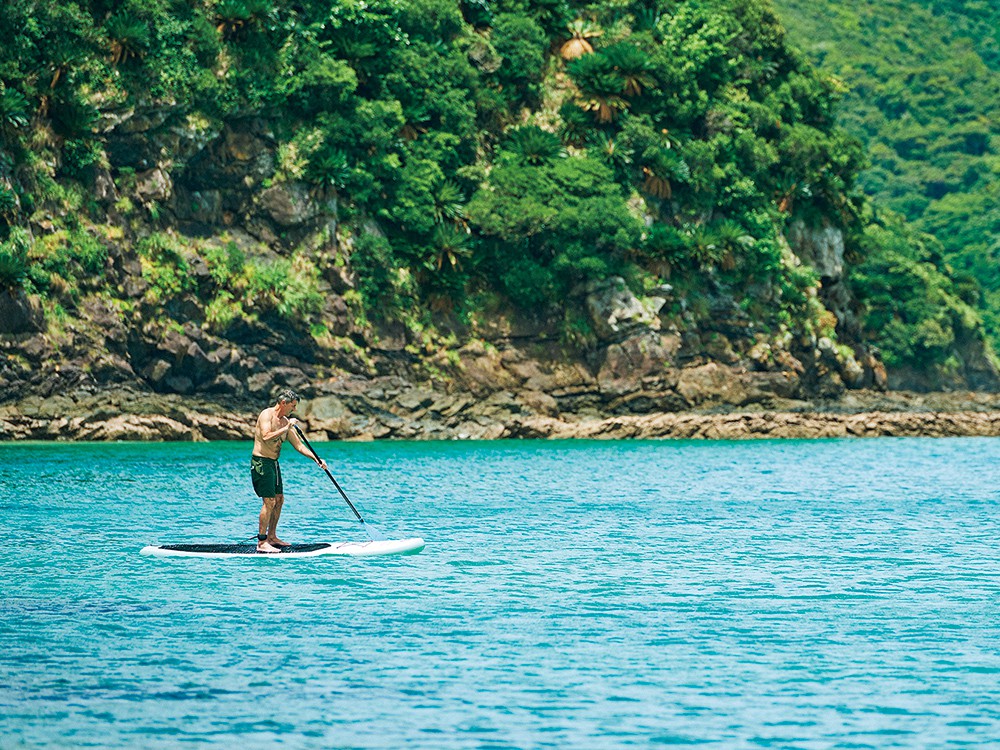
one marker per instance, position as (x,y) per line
(917,310)
(14,259)
(924,96)
(508,151)
(235,287)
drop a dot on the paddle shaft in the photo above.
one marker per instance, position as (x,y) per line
(332,478)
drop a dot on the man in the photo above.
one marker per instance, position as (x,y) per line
(273,426)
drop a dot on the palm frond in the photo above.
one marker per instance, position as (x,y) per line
(532,145)
(632,65)
(578,45)
(449,203)
(128,36)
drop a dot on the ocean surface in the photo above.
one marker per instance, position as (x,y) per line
(786,594)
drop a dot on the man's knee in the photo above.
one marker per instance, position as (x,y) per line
(270,502)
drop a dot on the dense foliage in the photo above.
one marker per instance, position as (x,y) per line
(924,95)
(477,151)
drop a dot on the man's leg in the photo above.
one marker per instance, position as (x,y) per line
(266,511)
(272,531)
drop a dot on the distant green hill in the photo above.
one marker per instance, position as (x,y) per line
(924,79)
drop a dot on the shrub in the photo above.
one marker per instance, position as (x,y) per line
(78,154)
(551,226)
(375,271)
(222,311)
(165,267)
(911,309)
(14,258)
(288,287)
(225,263)
(521,42)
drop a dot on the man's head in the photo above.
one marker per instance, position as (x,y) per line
(287,401)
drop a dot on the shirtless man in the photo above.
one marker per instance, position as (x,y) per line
(273,426)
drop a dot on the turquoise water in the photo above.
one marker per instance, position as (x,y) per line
(806,594)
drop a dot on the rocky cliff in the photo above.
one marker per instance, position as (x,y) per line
(114,371)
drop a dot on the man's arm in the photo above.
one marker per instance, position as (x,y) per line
(294,439)
(267,417)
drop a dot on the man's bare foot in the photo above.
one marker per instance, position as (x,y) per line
(277,542)
(266,547)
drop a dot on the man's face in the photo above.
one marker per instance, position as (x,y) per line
(287,407)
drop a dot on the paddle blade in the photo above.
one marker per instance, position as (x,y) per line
(374,534)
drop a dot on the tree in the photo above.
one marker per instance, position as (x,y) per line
(552,226)
(581,32)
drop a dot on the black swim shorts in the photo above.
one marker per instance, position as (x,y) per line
(266,476)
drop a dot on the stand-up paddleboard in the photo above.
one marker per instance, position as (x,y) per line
(249,549)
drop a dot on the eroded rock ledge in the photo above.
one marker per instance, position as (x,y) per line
(391,409)
(767,425)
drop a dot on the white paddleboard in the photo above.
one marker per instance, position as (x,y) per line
(249,549)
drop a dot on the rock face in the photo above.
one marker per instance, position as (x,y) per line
(615,310)
(20,313)
(112,374)
(289,204)
(361,409)
(646,360)
(119,415)
(822,247)
(742,426)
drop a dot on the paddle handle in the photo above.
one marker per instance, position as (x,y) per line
(332,478)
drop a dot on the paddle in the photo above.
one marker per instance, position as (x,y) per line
(373,534)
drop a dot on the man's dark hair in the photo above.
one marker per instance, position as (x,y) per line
(287,396)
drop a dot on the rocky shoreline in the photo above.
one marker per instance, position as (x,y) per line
(426,414)
(105,378)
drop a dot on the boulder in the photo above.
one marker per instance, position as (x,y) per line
(288,203)
(191,136)
(324,408)
(339,322)
(214,427)
(537,402)
(416,399)
(103,187)
(720,348)
(134,121)
(226,384)
(153,185)
(852,373)
(615,310)
(821,247)
(143,428)
(484,372)
(259,384)
(711,382)
(646,354)
(156,371)
(178,384)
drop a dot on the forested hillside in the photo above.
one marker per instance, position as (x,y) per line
(923,80)
(322,179)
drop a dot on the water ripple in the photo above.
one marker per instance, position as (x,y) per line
(775,594)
